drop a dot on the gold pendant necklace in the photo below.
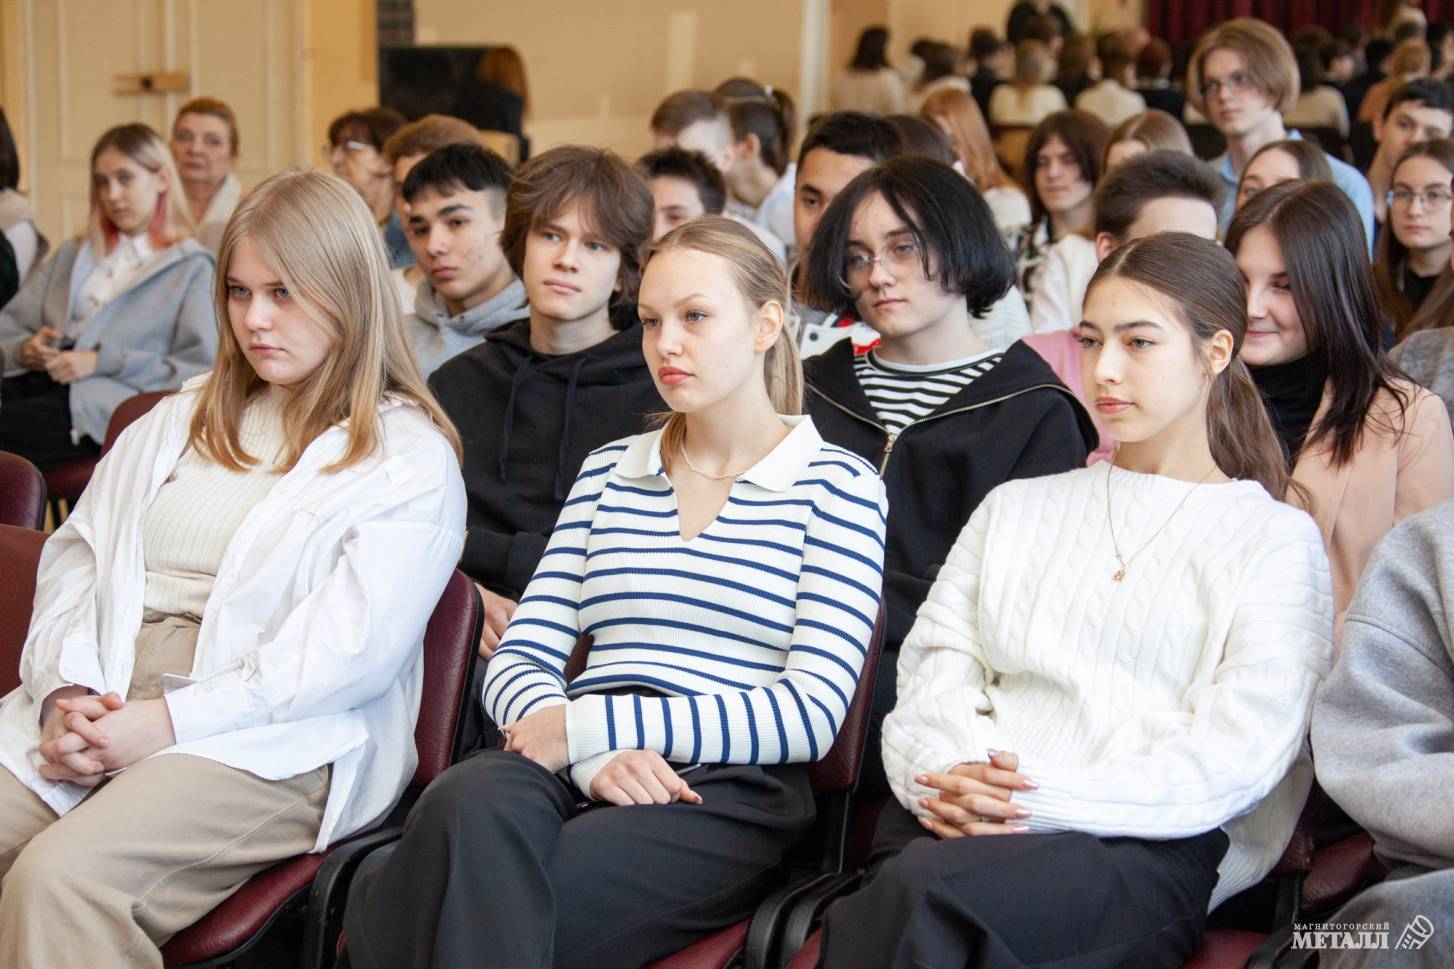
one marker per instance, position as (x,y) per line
(1125,562)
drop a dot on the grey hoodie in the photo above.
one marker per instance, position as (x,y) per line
(436,336)
(1383,722)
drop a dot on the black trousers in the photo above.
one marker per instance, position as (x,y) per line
(35,421)
(1063,900)
(501,866)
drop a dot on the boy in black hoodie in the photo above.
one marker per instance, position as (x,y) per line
(539,395)
(944,418)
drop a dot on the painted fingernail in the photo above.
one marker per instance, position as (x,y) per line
(1028,784)
(1020,828)
(992,752)
(922,779)
(923,802)
(1021,813)
(924,822)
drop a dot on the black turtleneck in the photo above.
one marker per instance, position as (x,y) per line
(1293,391)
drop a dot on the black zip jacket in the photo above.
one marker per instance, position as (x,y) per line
(1017,421)
(527,421)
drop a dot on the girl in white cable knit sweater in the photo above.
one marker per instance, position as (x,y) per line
(1113,670)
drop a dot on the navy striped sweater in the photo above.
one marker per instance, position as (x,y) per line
(748,639)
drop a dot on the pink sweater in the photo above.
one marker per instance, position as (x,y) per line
(1061,350)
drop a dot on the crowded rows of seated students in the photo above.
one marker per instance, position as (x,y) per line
(1121,563)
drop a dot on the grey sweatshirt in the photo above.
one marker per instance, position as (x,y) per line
(436,336)
(1383,723)
(1428,357)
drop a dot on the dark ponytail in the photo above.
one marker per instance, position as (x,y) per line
(764,111)
(1200,281)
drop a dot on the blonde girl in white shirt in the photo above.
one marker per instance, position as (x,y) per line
(243,590)
(1103,703)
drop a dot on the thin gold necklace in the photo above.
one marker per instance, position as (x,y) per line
(1111,524)
(732,475)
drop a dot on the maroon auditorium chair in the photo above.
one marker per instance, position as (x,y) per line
(65,482)
(19,557)
(833,779)
(306,885)
(22,492)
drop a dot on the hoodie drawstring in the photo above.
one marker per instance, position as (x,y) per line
(510,418)
(570,408)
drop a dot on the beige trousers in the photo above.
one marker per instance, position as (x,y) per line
(148,853)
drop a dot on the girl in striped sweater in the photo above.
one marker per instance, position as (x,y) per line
(728,568)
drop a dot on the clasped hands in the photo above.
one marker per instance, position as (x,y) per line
(84,735)
(975,799)
(631,777)
(41,352)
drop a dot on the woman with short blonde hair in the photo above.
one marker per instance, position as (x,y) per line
(229,625)
(121,310)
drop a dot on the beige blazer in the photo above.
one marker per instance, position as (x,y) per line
(1390,477)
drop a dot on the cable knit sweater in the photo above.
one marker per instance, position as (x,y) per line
(1159,707)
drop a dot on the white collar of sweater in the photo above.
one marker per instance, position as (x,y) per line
(778,470)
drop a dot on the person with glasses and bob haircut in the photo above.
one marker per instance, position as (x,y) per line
(1411,257)
(913,250)
(1243,77)
(355,149)
(1103,702)
(1366,447)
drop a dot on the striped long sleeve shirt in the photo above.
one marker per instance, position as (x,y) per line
(746,641)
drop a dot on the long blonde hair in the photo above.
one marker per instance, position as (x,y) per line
(171,222)
(761,279)
(315,232)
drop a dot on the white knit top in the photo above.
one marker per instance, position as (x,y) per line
(191,521)
(1162,706)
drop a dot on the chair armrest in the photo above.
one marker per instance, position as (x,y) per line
(807,910)
(329,893)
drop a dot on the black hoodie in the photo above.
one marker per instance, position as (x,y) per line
(1017,421)
(527,421)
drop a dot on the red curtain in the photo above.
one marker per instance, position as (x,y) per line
(1182,20)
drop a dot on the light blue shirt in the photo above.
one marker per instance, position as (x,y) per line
(1345,176)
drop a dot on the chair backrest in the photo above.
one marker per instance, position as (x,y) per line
(838,769)
(128,411)
(19,560)
(450,646)
(22,492)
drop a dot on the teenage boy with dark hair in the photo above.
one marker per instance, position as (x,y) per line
(540,394)
(1243,77)
(699,121)
(838,148)
(943,415)
(1420,110)
(684,186)
(1158,191)
(456,206)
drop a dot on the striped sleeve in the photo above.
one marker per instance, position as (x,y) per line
(527,672)
(795,718)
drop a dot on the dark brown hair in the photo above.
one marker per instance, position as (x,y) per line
(1149,176)
(9,157)
(1390,256)
(1200,283)
(613,199)
(372,126)
(1085,138)
(682,109)
(765,111)
(1324,252)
